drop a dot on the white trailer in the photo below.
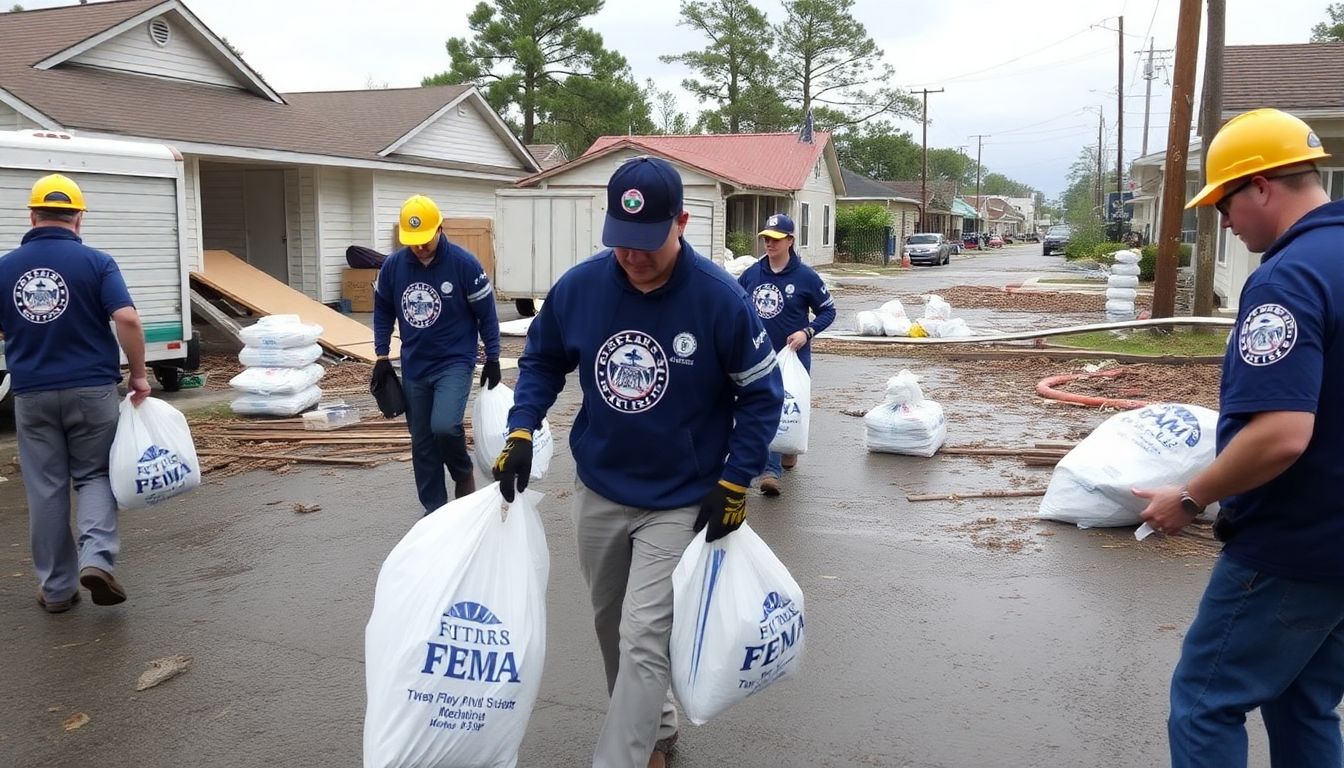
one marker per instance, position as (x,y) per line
(136,196)
(540,233)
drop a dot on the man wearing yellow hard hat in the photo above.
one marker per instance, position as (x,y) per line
(62,354)
(1269,632)
(441,300)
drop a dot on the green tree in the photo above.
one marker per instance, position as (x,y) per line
(999,184)
(953,165)
(581,109)
(733,73)
(828,61)
(1332,32)
(879,151)
(667,116)
(522,54)
(16,8)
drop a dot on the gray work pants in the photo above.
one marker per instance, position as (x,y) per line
(65,437)
(627,556)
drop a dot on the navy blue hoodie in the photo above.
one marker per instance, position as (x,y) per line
(783,300)
(673,380)
(440,308)
(1288,355)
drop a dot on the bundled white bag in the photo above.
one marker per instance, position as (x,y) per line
(153,457)
(249,404)
(1127,270)
(1164,444)
(1117,306)
(290,357)
(454,648)
(953,329)
(277,381)
(937,309)
(1122,294)
(868,323)
(1126,257)
(893,325)
(280,332)
(894,308)
(1122,281)
(791,437)
(905,422)
(490,430)
(737,623)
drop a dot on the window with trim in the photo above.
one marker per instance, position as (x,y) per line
(825,225)
(1333,181)
(804,220)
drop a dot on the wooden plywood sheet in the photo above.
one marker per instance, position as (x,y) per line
(263,294)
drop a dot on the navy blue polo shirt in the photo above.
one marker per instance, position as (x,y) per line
(1287,354)
(56,311)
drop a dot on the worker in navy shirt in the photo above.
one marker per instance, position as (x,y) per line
(681,397)
(1270,630)
(442,301)
(62,300)
(793,304)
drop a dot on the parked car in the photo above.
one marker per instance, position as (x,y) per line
(1031,237)
(1056,239)
(970,240)
(928,248)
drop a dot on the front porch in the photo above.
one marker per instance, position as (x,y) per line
(747,212)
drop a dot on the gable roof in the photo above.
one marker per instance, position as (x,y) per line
(996,207)
(548,155)
(859,187)
(776,162)
(347,124)
(941,192)
(1306,76)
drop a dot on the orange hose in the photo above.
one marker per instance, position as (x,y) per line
(1046,388)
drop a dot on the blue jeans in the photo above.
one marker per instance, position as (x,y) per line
(1260,641)
(434,409)
(774,466)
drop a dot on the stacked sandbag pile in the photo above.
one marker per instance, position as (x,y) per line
(891,320)
(281,353)
(1122,287)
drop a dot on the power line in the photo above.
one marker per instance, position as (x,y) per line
(1009,61)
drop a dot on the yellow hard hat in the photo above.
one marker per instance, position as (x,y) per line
(1254,142)
(56,191)
(420,220)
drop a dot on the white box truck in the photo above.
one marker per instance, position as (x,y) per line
(136,194)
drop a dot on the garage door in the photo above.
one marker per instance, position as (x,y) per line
(700,229)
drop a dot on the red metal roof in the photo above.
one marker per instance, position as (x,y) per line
(774,161)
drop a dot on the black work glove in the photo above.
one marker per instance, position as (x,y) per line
(490,373)
(514,465)
(723,510)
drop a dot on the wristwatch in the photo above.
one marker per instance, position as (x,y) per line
(1188,503)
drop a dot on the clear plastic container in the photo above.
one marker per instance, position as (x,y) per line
(329,416)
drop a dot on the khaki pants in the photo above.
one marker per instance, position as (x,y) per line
(627,556)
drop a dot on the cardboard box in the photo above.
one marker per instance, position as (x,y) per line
(357,286)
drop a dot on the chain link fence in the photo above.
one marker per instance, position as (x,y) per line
(864,246)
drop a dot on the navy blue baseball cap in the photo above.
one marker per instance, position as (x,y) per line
(643,199)
(777,227)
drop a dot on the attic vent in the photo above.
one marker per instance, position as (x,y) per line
(160,32)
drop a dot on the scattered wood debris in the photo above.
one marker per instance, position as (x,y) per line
(162,670)
(304,509)
(75,721)
(975,495)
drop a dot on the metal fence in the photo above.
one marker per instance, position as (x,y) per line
(864,246)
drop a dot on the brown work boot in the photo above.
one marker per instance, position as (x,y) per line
(788,461)
(769,485)
(464,487)
(57,606)
(103,586)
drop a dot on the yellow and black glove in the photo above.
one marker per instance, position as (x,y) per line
(723,510)
(513,468)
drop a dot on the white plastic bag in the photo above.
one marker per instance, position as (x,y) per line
(1126,257)
(1128,270)
(1164,444)
(249,404)
(791,437)
(153,457)
(868,323)
(894,308)
(277,381)
(1122,281)
(490,429)
(454,648)
(1122,294)
(937,309)
(737,623)
(291,357)
(953,329)
(1121,307)
(905,422)
(280,332)
(893,325)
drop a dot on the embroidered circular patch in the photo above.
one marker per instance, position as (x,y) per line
(632,201)
(1267,335)
(41,295)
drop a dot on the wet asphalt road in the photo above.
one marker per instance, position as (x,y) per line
(926,645)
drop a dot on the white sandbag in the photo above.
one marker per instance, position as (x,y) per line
(953,329)
(288,357)
(1126,257)
(791,437)
(1128,270)
(490,429)
(1122,281)
(868,323)
(1122,294)
(1119,306)
(737,623)
(249,404)
(280,332)
(454,647)
(153,457)
(905,423)
(737,266)
(1163,444)
(937,309)
(277,381)
(517,327)
(932,326)
(893,325)
(894,308)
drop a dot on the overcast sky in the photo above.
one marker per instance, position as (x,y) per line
(1031,73)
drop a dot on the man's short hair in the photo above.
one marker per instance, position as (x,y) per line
(1305,179)
(56,214)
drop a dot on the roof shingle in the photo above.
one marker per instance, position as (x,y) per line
(1287,77)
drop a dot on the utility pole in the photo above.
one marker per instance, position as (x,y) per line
(1210,118)
(1101,150)
(979,148)
(1178,146)
(924,166)
(1147,94)
(1120,132)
